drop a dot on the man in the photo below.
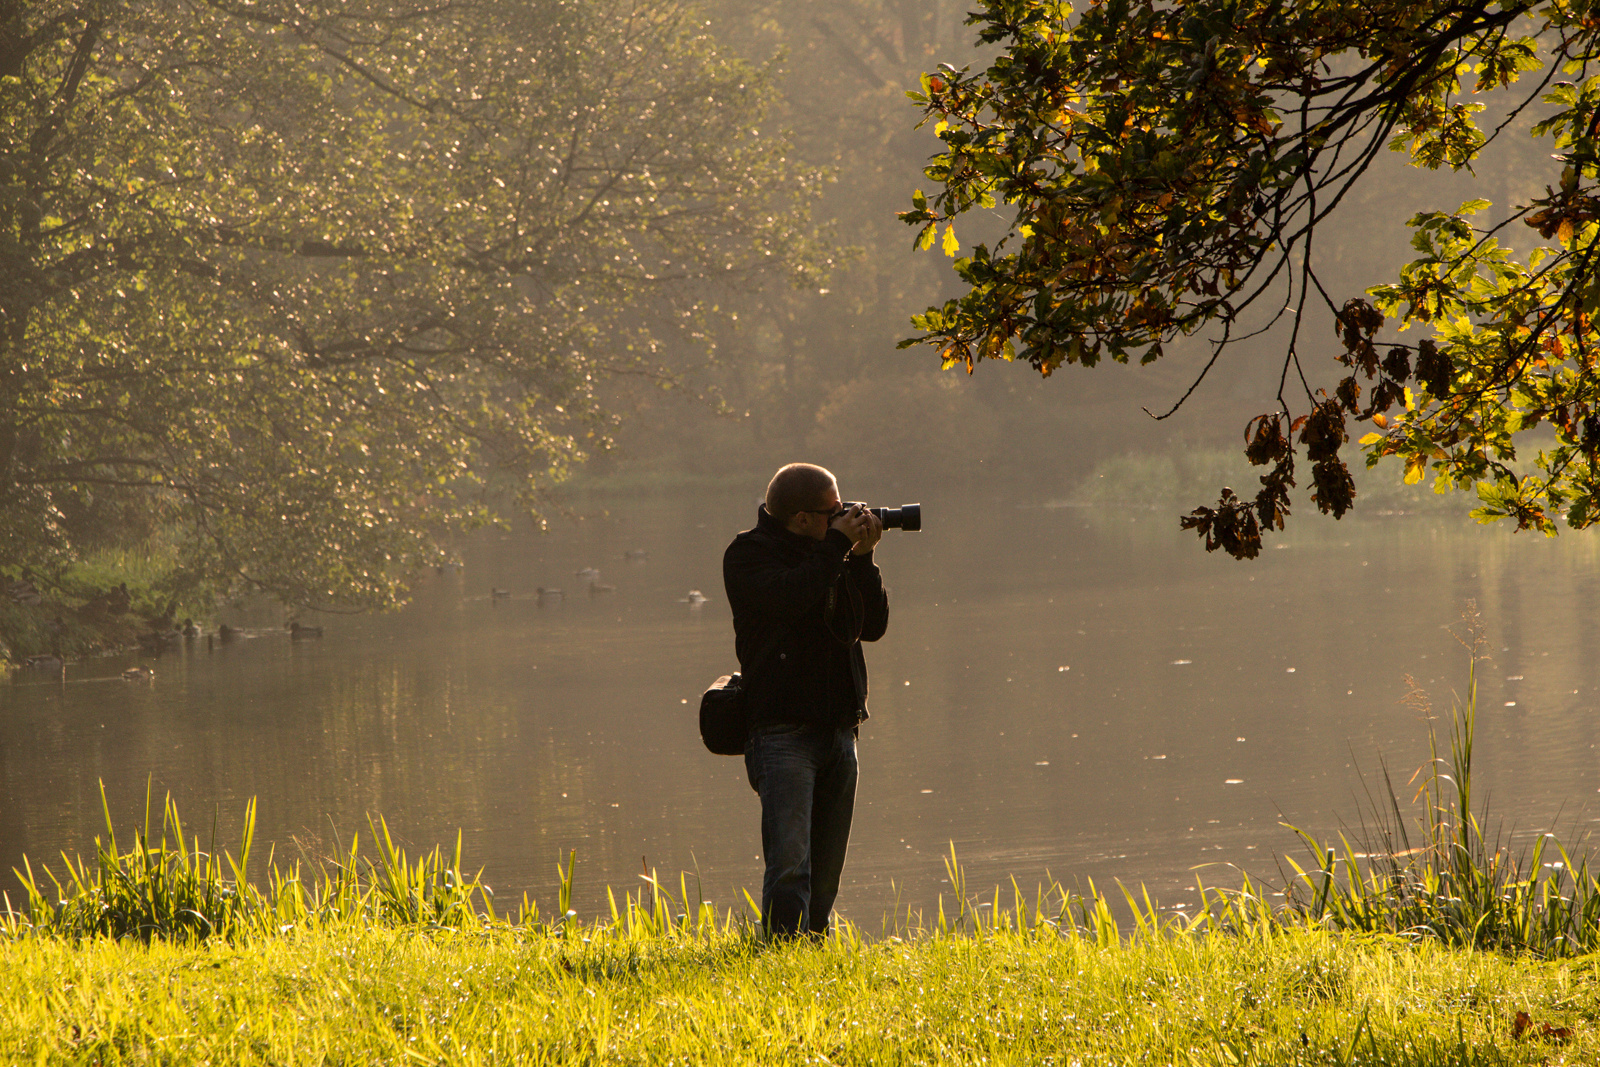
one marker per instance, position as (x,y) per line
(805,593)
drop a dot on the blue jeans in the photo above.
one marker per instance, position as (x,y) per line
(806,776)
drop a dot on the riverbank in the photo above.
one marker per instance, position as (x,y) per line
(109,602)
(351,995)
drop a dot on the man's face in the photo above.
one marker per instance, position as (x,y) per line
(813,522)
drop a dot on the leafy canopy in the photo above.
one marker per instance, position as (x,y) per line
(305,285)
(1164,168)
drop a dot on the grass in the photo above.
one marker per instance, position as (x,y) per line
(347,994)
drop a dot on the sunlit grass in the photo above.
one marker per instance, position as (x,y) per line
(607,994)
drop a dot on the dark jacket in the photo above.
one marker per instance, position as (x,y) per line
(801,609)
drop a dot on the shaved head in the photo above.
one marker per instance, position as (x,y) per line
(796,487)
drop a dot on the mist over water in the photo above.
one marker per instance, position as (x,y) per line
(1072,690)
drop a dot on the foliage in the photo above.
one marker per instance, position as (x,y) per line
(316,282)
(1164,169)
(1164,479)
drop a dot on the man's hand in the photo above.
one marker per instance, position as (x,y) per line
(862,527)
(869,534)
(853,523)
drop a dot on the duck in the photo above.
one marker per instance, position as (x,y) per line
(226,633)
(588,574)
(138,674)
(44,662)
(190,629)
(695,597)
(636,554)
(549,594)
(595,589)
(499,594)
(298,632)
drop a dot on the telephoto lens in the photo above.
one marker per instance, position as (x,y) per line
(907,517)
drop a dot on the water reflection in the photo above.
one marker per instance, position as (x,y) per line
(1083,694)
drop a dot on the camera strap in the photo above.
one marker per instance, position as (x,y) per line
(855,611)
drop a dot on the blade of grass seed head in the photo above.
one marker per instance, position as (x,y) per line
(455,860)
(241,869)
(1139,923)
(564,894)
(37,906)
(105,811)
(1319,903)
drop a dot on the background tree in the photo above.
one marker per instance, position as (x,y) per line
(1164,170)
(302,286)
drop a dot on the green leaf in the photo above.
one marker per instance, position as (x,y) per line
(950,244)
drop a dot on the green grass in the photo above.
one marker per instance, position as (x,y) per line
(167,952)
(351,994)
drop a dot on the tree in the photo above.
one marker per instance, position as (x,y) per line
(1165,168)
(302,286)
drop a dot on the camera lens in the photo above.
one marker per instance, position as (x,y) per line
(907,517)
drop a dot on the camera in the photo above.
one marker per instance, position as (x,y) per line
(907,517)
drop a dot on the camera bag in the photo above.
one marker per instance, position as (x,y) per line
(724,718)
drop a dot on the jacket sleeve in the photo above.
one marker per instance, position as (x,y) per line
(874,598)
(760,585)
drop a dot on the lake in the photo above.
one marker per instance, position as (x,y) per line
(1060,690)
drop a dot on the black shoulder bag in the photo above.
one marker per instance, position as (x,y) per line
(724,718)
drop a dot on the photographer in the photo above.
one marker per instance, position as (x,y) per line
(805,593)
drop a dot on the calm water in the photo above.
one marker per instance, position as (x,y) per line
(1058,692)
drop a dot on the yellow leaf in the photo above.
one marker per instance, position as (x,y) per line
(1414,468)
(1371,438)
(1381,421)
(951,245)
(1564,234)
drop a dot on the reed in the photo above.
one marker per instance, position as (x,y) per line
(1440,874)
